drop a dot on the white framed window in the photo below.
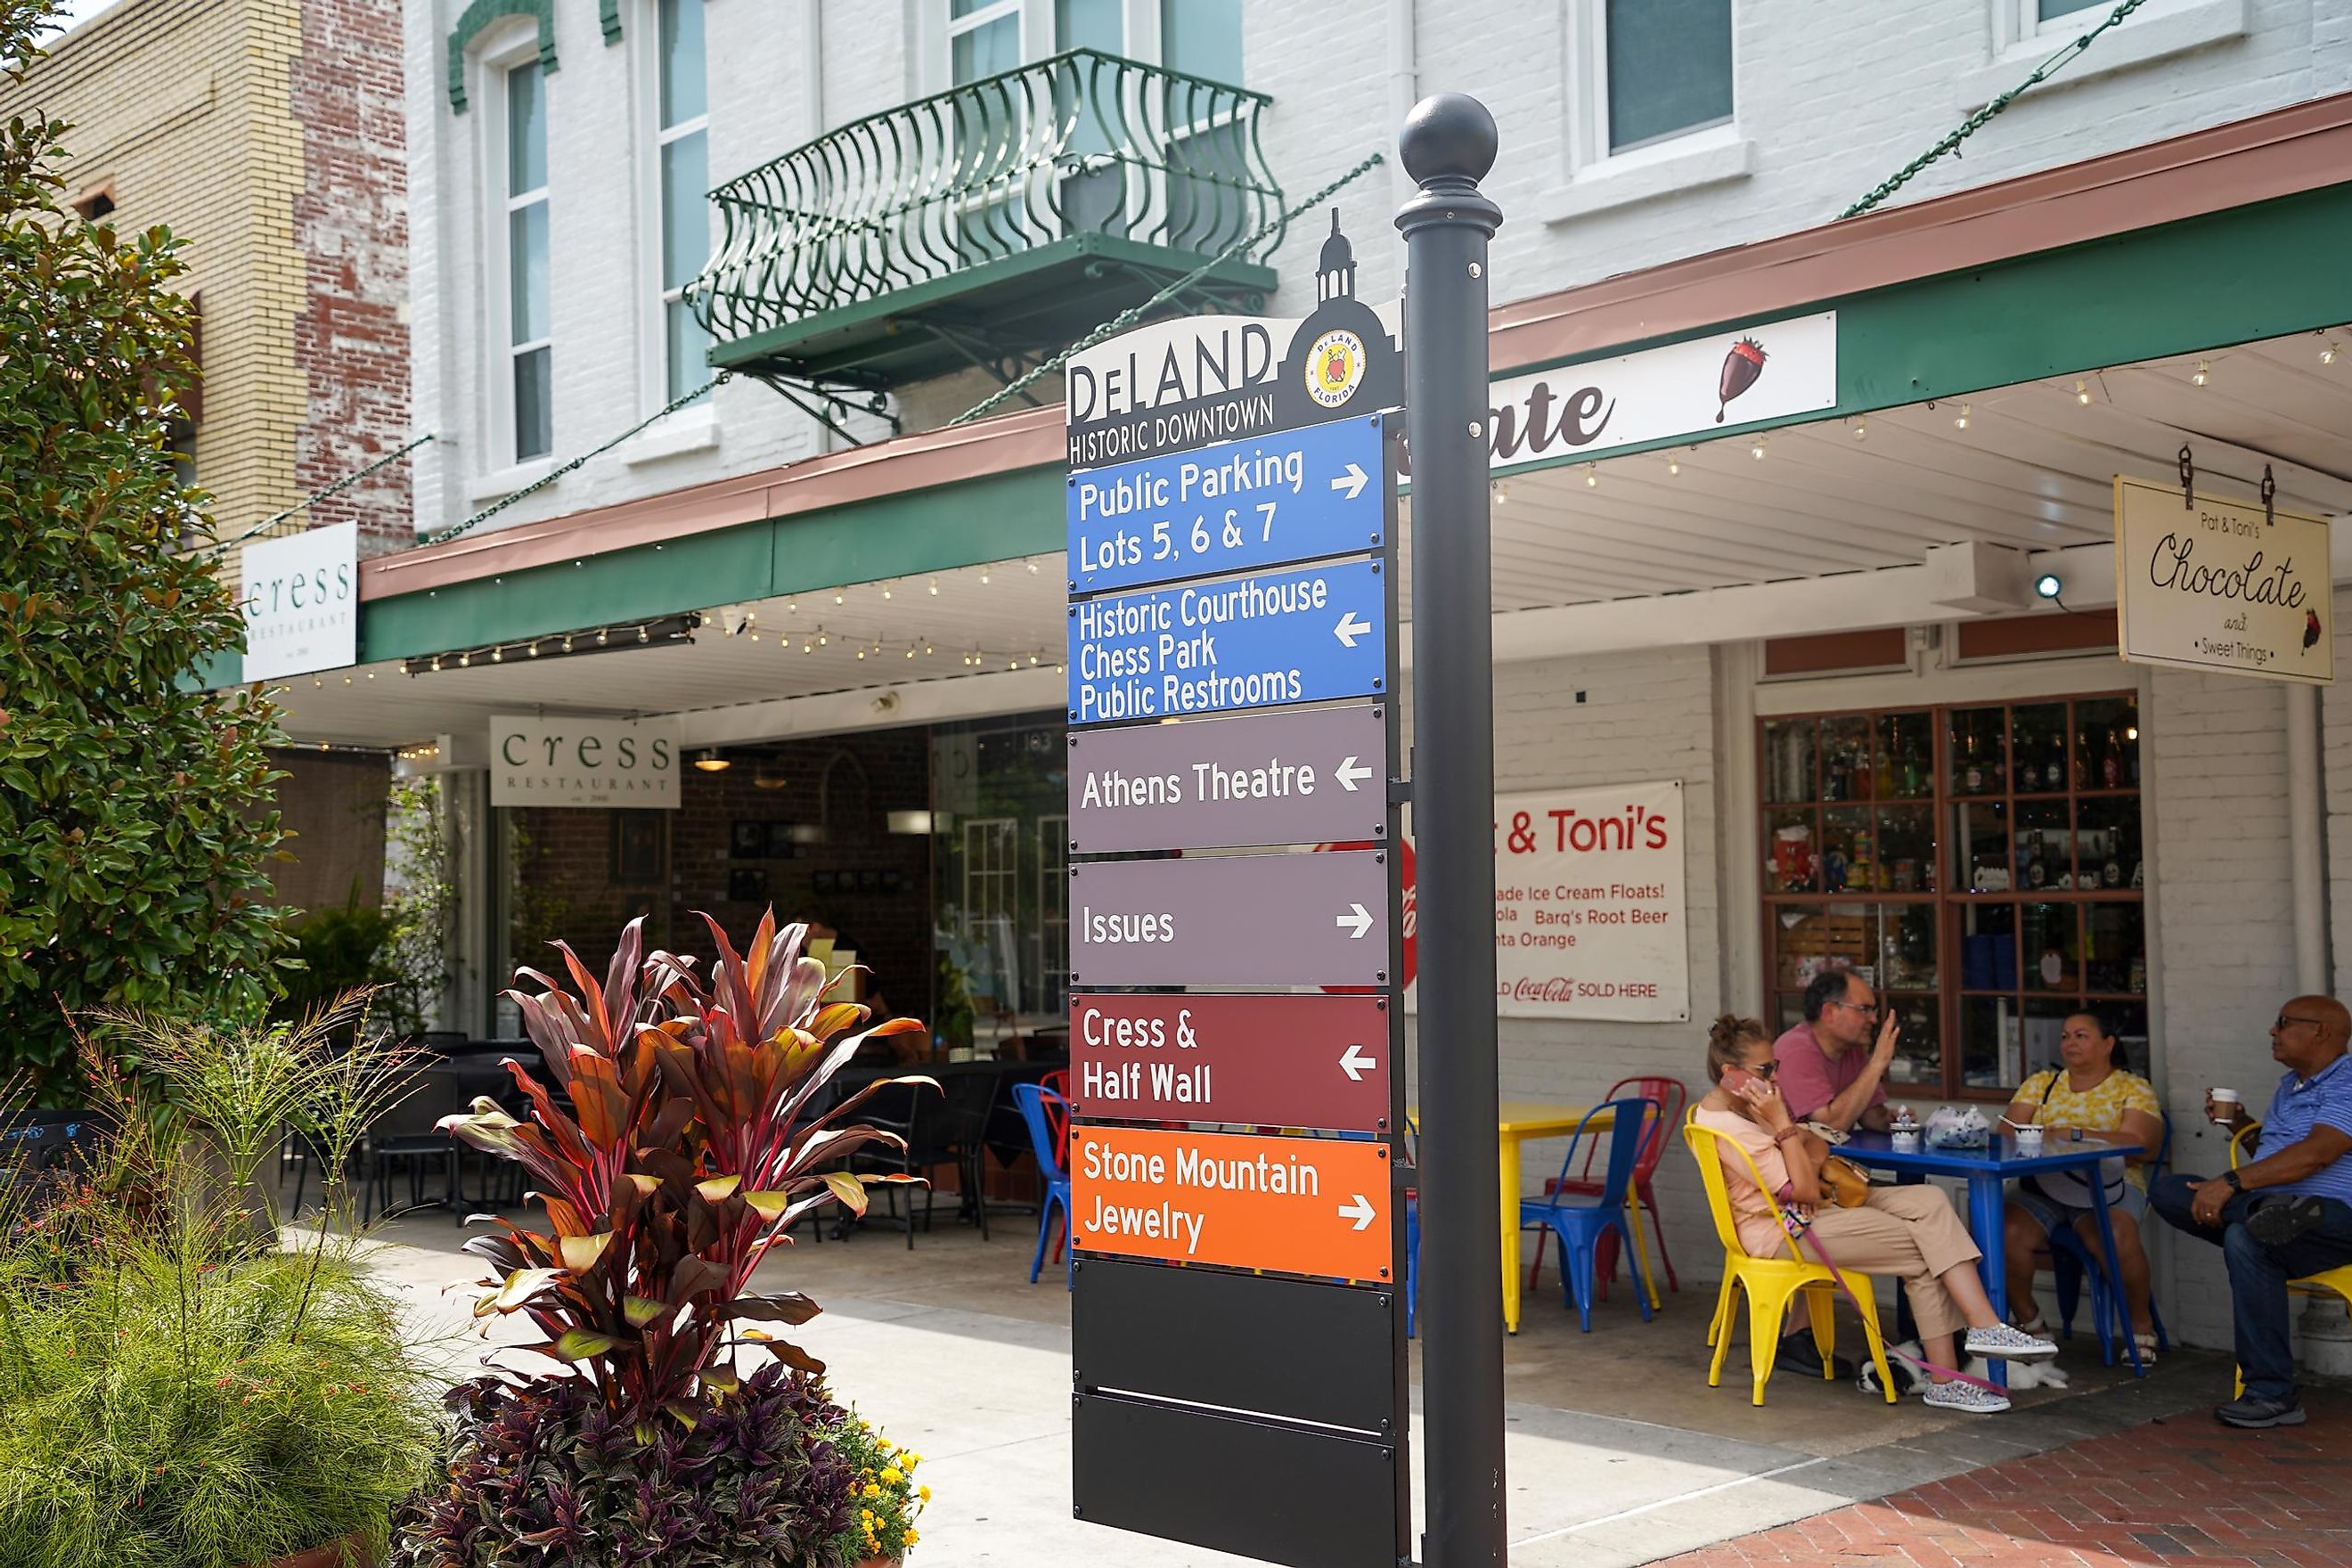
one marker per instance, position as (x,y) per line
(519,281)
(679,184)
(2057,16)
(983,37)
(1655,71)
(2025,32)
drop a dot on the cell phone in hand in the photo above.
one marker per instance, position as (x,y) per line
(1737,1078)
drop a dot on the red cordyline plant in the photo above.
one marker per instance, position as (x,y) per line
(689,1151)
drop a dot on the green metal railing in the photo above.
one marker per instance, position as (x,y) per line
(1080,144)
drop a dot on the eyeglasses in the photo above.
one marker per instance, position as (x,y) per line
(2283,1019)
(1766,1068)
(1868,1008)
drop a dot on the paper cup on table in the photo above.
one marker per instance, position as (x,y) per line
(2029,1140)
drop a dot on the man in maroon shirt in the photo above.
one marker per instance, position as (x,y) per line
(1830,1071)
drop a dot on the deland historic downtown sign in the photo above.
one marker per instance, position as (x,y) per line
(1238,1255)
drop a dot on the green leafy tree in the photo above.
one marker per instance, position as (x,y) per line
(136,812)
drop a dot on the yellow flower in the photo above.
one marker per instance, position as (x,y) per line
(912,1538)
(872,1490)
(923,1492)
(893,1477)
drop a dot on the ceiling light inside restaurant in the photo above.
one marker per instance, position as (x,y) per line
(914,822)
(2048,586)
(712,761)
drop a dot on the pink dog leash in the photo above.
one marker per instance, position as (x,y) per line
(1797,1227)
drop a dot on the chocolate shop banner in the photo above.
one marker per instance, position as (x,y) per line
(566,761)
(2215,584)
(1589,905)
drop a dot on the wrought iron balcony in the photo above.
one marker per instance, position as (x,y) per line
(988,224)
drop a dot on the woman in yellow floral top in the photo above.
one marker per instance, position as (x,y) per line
(2090,1096)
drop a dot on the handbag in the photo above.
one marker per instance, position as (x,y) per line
(1843,1183)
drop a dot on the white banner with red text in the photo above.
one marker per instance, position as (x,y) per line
(1590,918)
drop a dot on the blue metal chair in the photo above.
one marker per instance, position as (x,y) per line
(1411,1229)
(1034,1100)
(2074,1261)
(1580,1224)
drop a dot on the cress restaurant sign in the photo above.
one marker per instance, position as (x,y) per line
(568,761)
(2212,585)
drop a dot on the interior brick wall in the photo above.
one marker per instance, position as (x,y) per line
(847,783)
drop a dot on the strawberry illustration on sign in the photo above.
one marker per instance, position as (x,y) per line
(2310,628)
(1741,366)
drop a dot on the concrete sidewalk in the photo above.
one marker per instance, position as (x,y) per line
(1618,1452)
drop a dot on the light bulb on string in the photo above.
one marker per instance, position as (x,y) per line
(643,635)
(837,598)
(1757,451)
(2327,352)
(1502,493)
(497,656)
(2082,393)
(1592,476)
(1961,423)
(886,590)
(602,635)
(1673,465)
(1861,429)
(2202,370)
(464,660)
(984,578)
(935,587)
(1033,567)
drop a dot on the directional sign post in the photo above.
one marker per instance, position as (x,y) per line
(1231,653)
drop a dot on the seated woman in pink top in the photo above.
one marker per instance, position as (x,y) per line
(1908,1231)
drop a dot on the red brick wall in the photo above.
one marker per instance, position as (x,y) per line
(350,222)
(565,866)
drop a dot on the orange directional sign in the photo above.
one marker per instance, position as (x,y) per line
(1304,1206)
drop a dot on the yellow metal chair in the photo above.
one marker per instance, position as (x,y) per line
(1772,1282)
(2329,1282)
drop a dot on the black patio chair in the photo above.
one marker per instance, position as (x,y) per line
(407,1135)
(917,1113)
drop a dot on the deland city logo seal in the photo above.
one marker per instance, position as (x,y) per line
(1334,367)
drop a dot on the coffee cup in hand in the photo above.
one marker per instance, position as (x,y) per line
(2224,1107)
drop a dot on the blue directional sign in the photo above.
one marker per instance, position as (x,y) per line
(1293,495)
(1237,642)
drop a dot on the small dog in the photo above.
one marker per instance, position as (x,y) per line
(1910,1379)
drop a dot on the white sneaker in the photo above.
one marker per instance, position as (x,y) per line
(2002,1343)
(1967,1397)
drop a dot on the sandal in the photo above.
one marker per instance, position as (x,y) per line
(2147,1343)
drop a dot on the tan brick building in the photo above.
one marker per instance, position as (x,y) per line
(268,136)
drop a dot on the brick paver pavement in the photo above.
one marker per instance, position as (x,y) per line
(2182,1493)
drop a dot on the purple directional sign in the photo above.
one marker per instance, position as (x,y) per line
(1311,775)
(1231,920)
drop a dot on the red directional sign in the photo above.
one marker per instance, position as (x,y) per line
(1255,1061)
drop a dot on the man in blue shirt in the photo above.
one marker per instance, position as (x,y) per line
(2288,1213)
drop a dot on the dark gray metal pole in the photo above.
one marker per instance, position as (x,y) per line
(1448,144)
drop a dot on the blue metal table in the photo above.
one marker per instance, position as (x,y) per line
(1985,1169)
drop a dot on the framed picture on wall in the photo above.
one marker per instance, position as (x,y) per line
(747,840)
(747,884)
(636,854)
(779,841)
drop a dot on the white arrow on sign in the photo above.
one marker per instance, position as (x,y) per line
(1351,627)
(1353,481)
(1355,924)
(1354,1061)
(1351,774)
(1361,1210)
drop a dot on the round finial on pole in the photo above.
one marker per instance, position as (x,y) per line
(1448,135)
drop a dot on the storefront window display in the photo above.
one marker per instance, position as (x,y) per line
(1981,865)
(1000,889)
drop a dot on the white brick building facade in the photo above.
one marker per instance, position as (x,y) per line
(1826,103)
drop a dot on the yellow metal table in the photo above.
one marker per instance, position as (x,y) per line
(1515,1122)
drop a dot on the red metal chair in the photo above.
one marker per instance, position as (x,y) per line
(1671,1096)
(1057,1110)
